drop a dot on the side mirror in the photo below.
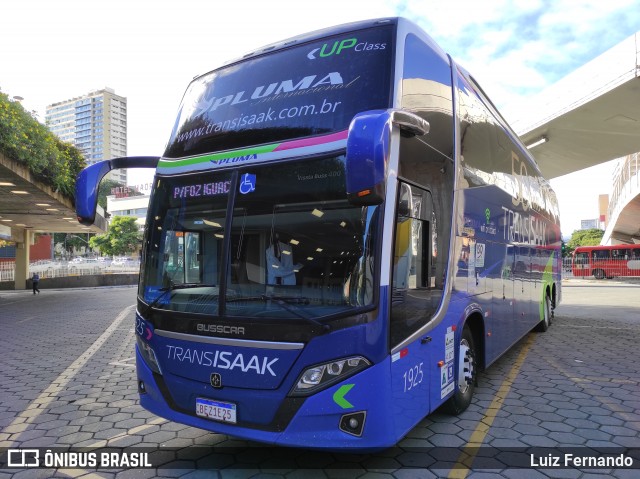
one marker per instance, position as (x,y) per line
(368,151)
(405,203)
(89,179)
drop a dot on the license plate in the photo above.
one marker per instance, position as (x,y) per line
(216,410)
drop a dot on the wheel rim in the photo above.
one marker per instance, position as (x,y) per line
(466,367)
(547,310)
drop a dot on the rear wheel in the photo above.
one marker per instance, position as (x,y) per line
(598,273)
(467,372)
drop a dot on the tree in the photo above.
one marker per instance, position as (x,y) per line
(590,237)
(122,237)
(104,190)
(27,141)
(71,242)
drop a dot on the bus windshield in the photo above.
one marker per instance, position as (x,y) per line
(293,246)
(309,89)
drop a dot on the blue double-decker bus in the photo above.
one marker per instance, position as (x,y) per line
(341,233)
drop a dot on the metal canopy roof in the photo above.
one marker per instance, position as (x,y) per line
(28,204)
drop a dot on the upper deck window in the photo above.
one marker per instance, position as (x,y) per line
(306,90)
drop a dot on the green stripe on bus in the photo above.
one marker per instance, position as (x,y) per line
(216,157)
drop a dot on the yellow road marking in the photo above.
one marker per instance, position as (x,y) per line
(470,451)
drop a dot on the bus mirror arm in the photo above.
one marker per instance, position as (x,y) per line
(134,162)
(89,179)
(410,123)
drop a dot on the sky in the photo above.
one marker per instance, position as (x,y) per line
(148,51)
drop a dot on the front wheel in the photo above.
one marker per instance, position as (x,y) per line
(467,373)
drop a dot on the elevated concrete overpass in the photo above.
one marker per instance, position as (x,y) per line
(589,117)
(624,204)
(28,206)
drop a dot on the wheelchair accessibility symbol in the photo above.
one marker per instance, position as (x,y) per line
(247,183)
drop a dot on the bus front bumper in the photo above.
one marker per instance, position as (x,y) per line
(344,417)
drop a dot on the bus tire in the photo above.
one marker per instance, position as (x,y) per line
(598,273)
(544,324)
(467,374)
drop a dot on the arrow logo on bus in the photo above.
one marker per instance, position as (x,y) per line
(338,396)
(311,54)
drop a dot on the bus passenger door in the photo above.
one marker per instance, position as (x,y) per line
(413,302)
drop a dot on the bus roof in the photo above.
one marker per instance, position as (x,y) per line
(606,247)
(307,37)
(330,31)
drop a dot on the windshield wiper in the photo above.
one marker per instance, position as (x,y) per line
(287,299)
(265,298)
(174,287)
(286,303)
(192,285)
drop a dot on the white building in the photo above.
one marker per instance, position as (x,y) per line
(135,206)
(96,124)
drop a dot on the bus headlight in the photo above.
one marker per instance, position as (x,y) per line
(149,356)
(322,376)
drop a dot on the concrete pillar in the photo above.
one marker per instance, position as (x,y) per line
(22,261)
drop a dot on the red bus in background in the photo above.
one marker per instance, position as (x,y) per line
(606,261)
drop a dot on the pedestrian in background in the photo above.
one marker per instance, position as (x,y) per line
(35,280)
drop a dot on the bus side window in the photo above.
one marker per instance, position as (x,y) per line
(600,255)
(413,298)
(428,160)
(620,254)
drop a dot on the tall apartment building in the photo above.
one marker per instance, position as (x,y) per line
(96,123)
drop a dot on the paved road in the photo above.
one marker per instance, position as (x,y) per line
(67,379)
